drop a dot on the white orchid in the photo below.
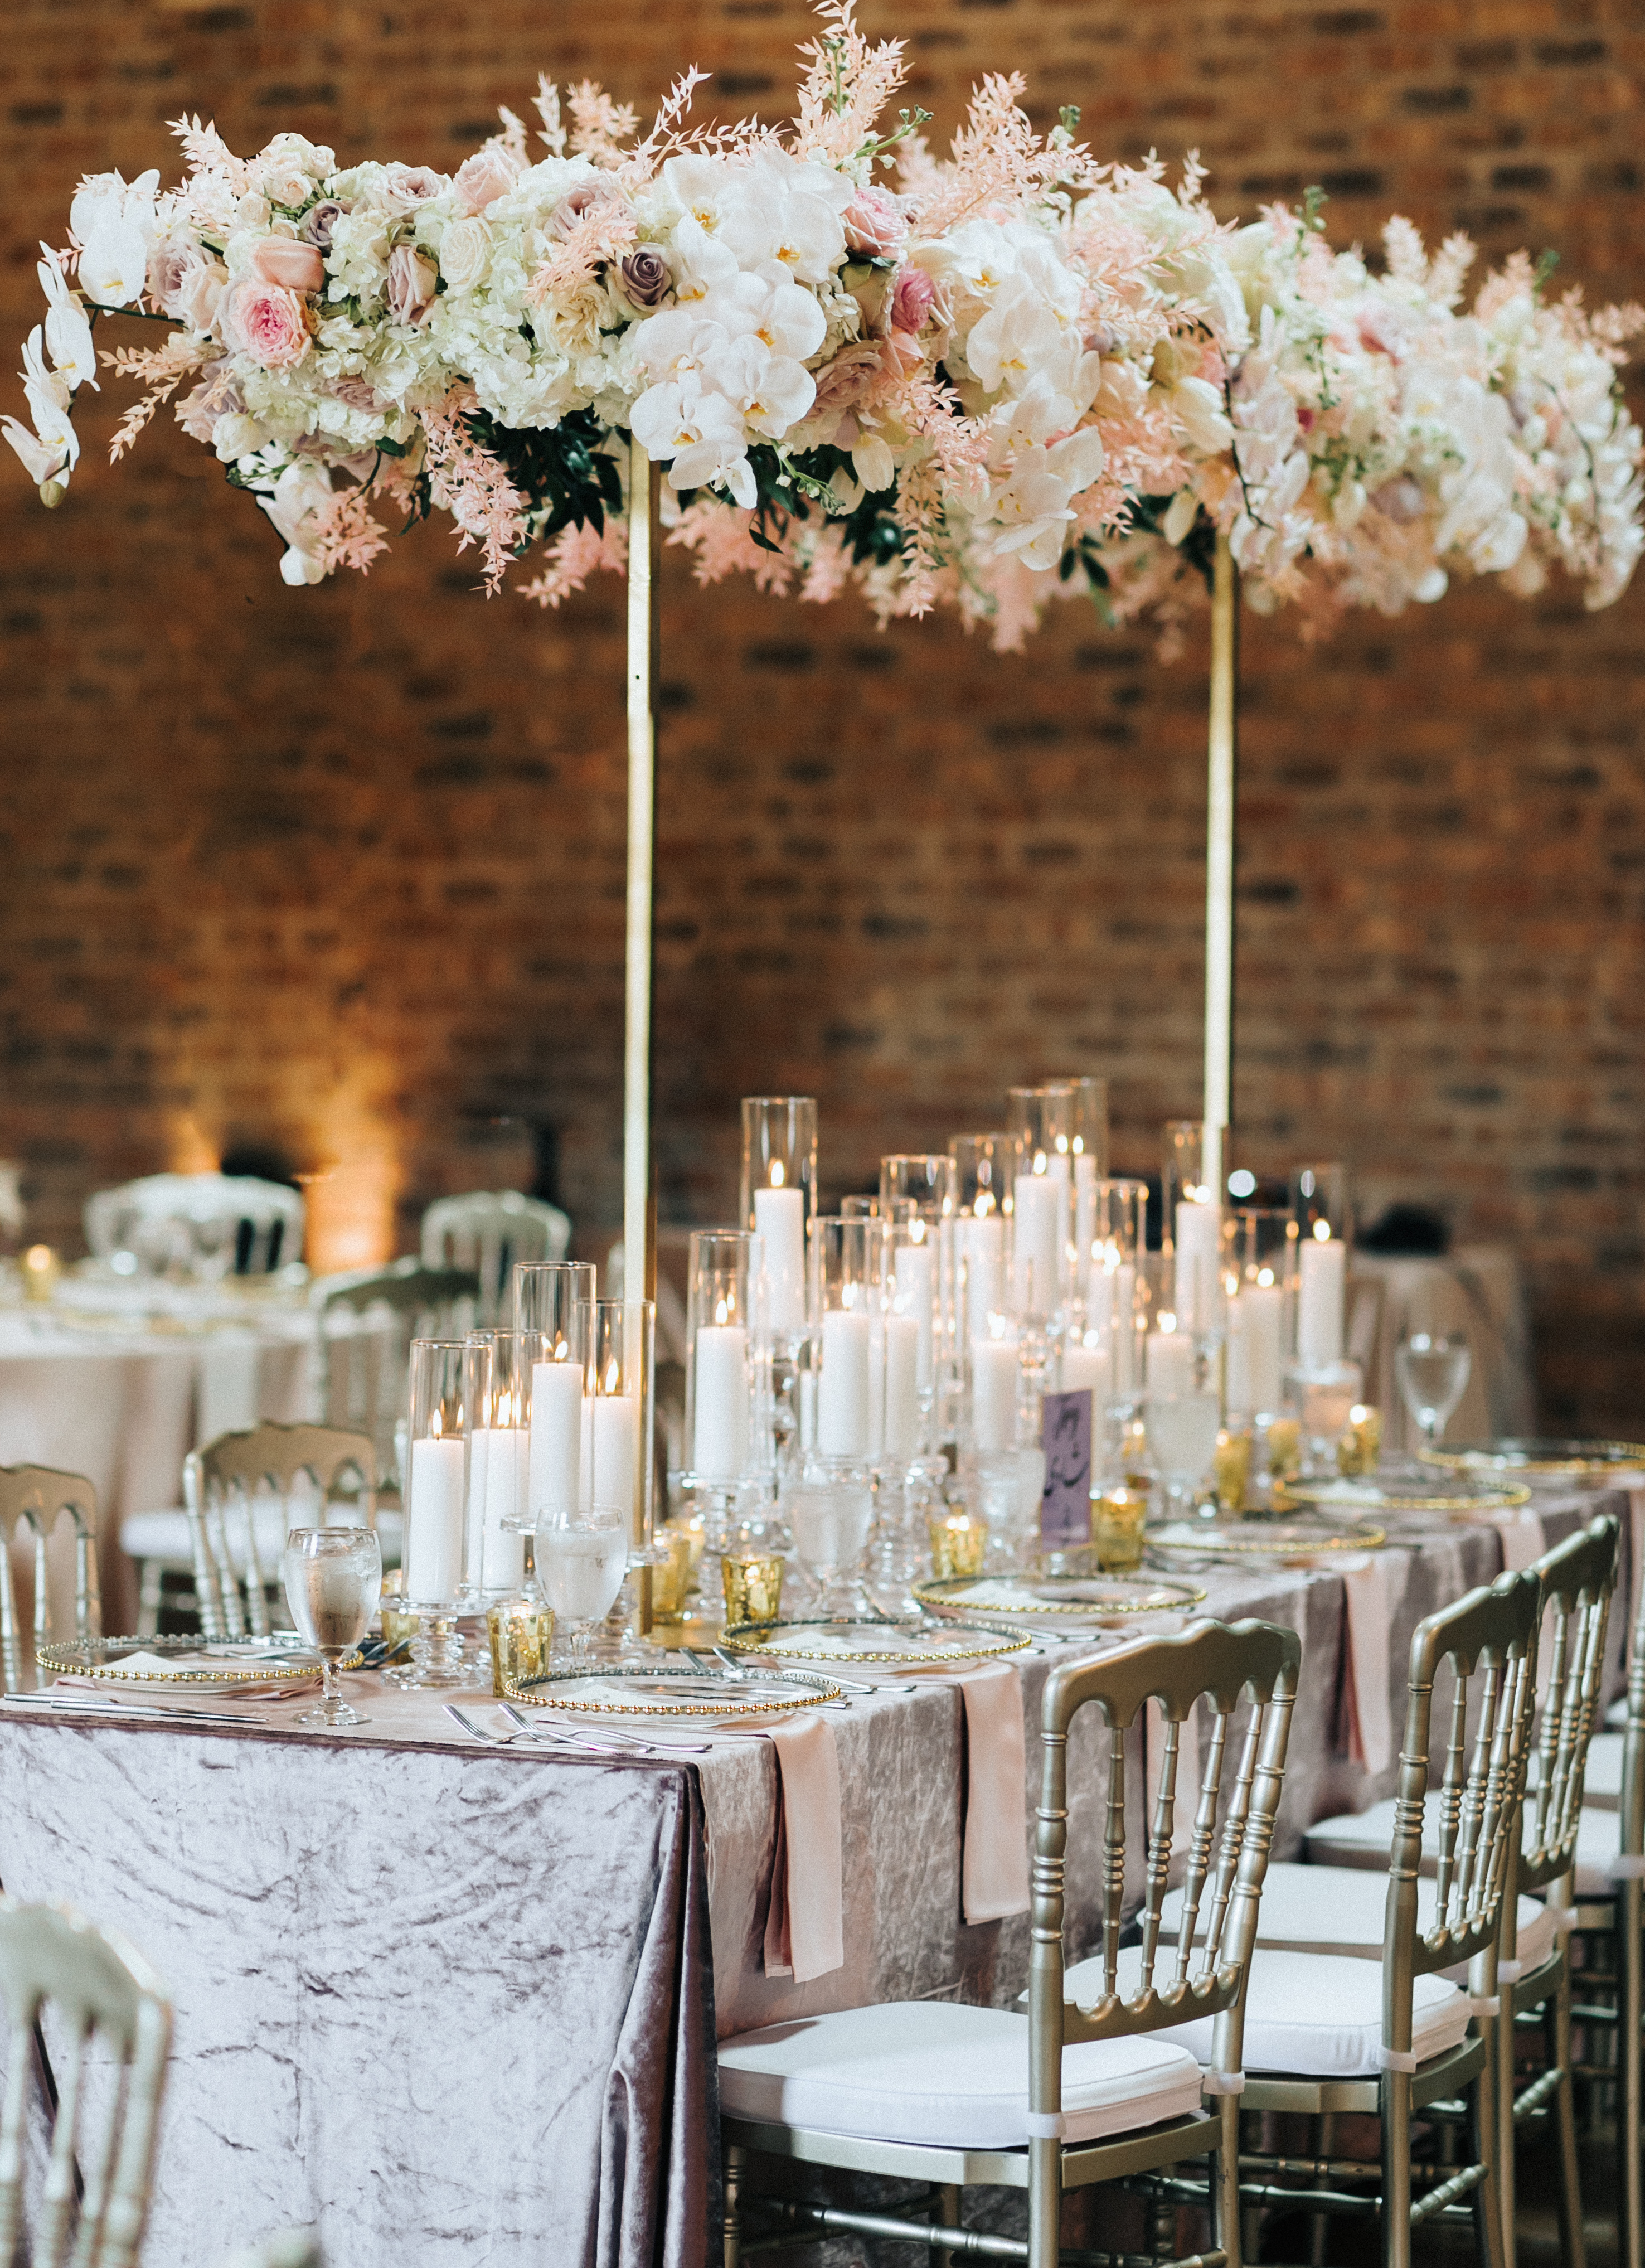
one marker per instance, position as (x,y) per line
(113,222)
(701,431)
(299,491)
(67,328)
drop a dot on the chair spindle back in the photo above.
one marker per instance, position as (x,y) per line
(228,1472)
(37,1497)
(1578,1578)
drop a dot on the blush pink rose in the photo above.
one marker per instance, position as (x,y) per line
(200,295)
(875,223)
(913,297)
(265,321)
(844,380)
(403,187)
(900,356)
(485,177)
(411,282)
(295,267)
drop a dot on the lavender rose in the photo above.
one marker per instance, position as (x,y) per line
(573,205)
(321,219)
(646,280)
(411,282)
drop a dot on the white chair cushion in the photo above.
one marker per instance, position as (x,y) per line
(164,1535)
(1344,1910)
(931,2071)
(1319,2015)
(158,1535)
(1602,1783)
(1599,1841)
(1360,1839)
(1617,1715)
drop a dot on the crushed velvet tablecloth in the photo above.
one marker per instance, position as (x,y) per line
(452,2005)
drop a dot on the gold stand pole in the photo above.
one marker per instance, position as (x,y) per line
(1219,869)
(639,1222)
(639,1214)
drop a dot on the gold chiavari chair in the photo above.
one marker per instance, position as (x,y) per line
(36,1496)
(489,1231)
(363,1327)
(1071,2095)
(92,1989)
(1449,1874)
(227,1478)
(1576,1580)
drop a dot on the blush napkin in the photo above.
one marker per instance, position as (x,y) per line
(994,1867)
(1374,1587)
(805,1921)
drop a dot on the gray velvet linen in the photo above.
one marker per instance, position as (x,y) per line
(457,2005)
(445,2006)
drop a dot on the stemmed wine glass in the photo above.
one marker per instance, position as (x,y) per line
(582,1558)
(830,1515)
(1182,1430)
(333,1577)
(1433,1373)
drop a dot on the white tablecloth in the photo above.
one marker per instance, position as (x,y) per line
(122,1399)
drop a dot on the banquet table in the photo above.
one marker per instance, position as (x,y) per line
(451,2002)
(118,1384)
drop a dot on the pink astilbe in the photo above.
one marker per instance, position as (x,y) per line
(596,238)
(346,535)
(719,538)
(162,370)
(598,125)
(512,139)
(846,85)
(469,482)
(575,554)
(547,105)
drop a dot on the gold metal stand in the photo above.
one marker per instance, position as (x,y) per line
(639,1219)
(1219,867)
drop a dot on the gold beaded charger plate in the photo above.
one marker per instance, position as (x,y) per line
(1058,1598)
(1460,1496)
(1530,1456)
(697,1695)
(190,1664)
(891,1645)
(1295,1543)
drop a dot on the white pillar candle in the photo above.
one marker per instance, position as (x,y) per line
(1124,1341)
(1084,1221)
(842,1409)
(902,1389)
(982,1252)
(780,1218)
(554,1461)
(1087,1370)
(585,1477)
(720,1429)
(994,1393)
(503,1550)
(1099,1289)
(1198,1249)
(1263,1306)
(615,1437)
(916,1297)
(434,1523)
(1034,1274)
(1320,1302)
(474,1520)
(876,1385)
(1170,1360)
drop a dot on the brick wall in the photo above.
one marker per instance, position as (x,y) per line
(343,870)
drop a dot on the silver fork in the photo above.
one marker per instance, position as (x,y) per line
(612,1731)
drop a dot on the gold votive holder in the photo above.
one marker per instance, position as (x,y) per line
(1136,1462)
(1117,1515)
(672,1576)
(1285,1448)
(752,1582)
(521,1633)
(40,1269)
(958,1540)
(1360,1448)
(1231,1469)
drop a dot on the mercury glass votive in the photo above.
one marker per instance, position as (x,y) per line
(1230,1470)
(521,1635)
(40,1269)
(1118,1518)
(436,1467)
(673,1569)
(1285,1449)
(753,1584)
(959,1541)
(1360,1448)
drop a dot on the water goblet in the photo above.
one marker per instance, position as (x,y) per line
(332,1580)
(582,1558)
(830,1515)
(1432,1368)
(1182,1431)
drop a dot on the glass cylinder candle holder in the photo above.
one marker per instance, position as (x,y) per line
(982,1180)
(550,1389)
(779,1199)
(548,1292)
(911,1334)
(1323,1193)
(494,1547)
(1259,1254)
(1114,1279)
(620,1416)
(724,1354)
(864,1205)
(918,1197)
(1040,1121)
(1192,1230)
(436,1495)
(847,1280)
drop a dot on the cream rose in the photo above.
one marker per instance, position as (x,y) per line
(483,179)
(464,249)
(411,282)
(295,267)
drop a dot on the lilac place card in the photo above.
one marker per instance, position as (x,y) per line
(1065,1509)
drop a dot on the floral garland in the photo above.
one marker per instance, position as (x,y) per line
(1017,373)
